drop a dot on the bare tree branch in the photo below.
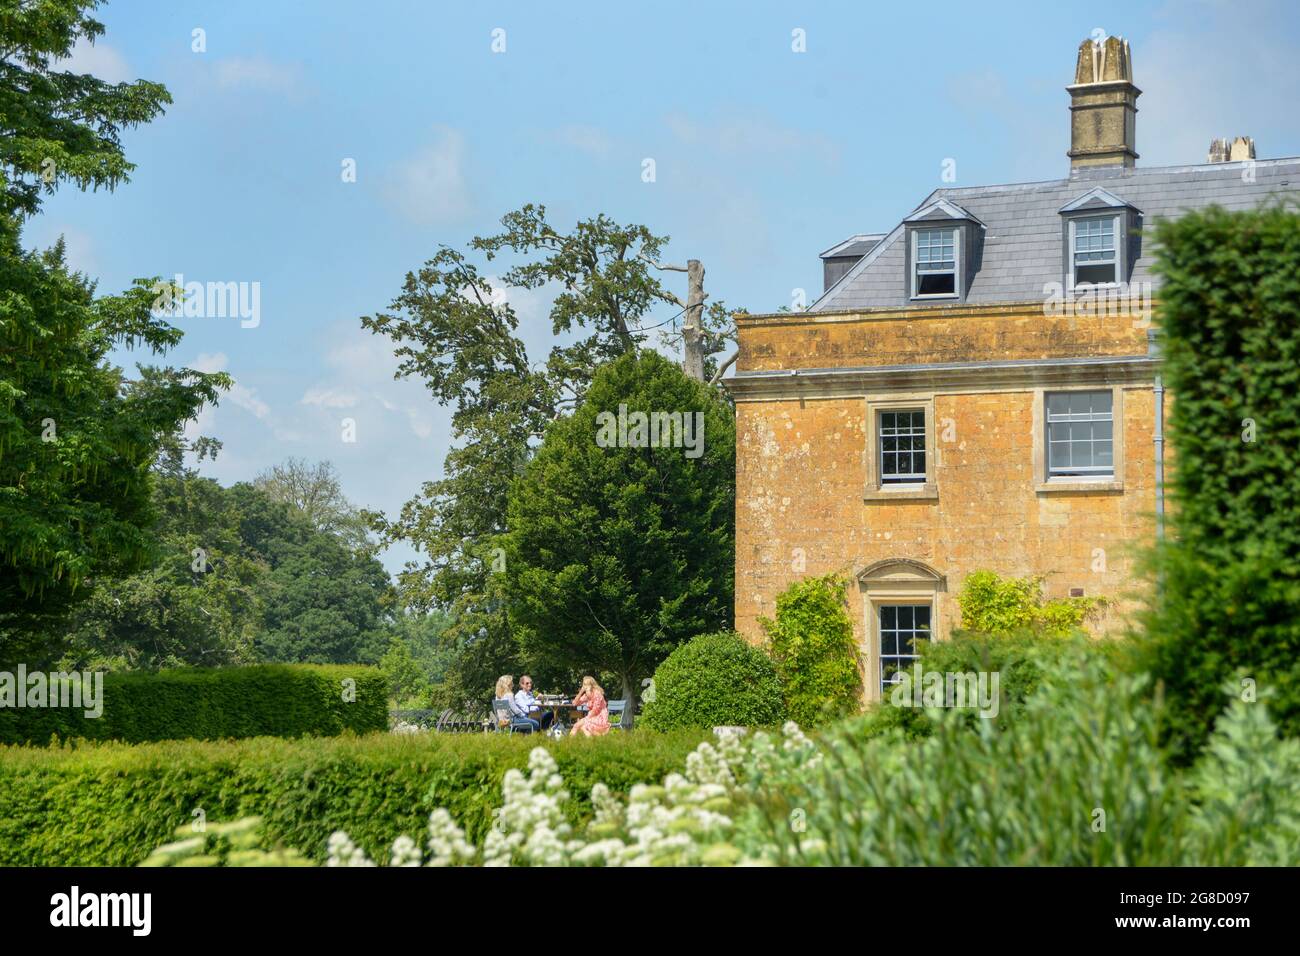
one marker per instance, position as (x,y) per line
(717,376)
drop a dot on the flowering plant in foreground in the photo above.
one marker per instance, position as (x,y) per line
(690,819)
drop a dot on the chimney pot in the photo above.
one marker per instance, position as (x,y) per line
(1103,106)
(1231,150)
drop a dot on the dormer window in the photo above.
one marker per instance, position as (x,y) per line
(1094,245)
(936,262)
(943,243)
(1098,231)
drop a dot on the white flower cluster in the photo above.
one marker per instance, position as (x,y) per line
(686,821)
(447,843)
(530,827)
(343,852)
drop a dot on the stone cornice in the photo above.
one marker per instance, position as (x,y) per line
(1018,310)
(954,376)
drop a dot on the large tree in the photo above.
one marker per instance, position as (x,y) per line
(618,551)
(455,327)
(240,577)
(316,491)
(77,436)
(57,126)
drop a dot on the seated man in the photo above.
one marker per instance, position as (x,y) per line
(524,704)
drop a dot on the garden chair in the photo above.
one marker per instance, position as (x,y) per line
(618,715)
(506,719)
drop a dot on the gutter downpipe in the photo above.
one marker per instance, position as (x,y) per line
(1153,349)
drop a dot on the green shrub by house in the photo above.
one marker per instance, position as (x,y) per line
(280,700)
(715,680)
(1019,659)
(1003,606)
(1229,570)
(110,804)
(816,655)
(1082,778)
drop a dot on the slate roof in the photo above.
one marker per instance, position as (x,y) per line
(854,246)
(1022,244)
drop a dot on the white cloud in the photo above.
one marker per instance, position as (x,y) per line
(329,398)
(431,187)
(97,59)
(260,74)
(586,139)
(238,395)
(361,367)
(210,362)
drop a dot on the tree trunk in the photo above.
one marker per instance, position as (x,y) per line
(692,325)
(629,695)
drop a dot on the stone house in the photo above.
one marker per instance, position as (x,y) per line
(977,388)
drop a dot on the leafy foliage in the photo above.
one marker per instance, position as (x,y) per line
(315,491)
(239,578)
(76,435)
(1020,660)
(455,328)
(615,556)
(215,703)
(76,439)
(405,680)
(715,680)
(1002,606)
(1081,779)
(222,844)
(1229,573)
(816,655)
(57,126)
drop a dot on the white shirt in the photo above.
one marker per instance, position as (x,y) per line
(524,701)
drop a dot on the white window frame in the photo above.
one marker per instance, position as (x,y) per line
(881,656)
(896,581)
(875,489)
(1116,259)
(956,263)
(913,480)
(1046,483)
(1082,472)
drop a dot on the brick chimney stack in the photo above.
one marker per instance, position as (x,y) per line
(1103,106)
(1231,150)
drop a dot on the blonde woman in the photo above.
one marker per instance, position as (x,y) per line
(519,719)
(505,684)
(597,720)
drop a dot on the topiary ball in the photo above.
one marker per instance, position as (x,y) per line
(715,680)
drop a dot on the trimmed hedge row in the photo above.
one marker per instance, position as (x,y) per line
(281,700)
(110,804)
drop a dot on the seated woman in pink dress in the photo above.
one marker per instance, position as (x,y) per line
(597,720)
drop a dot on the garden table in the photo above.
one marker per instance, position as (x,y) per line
(559,707)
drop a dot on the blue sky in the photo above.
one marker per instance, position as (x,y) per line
(763,157)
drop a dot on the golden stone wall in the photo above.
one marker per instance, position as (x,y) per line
(802,471)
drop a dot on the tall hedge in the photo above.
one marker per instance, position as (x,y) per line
(278,700)
(110,804)
(1229,572)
